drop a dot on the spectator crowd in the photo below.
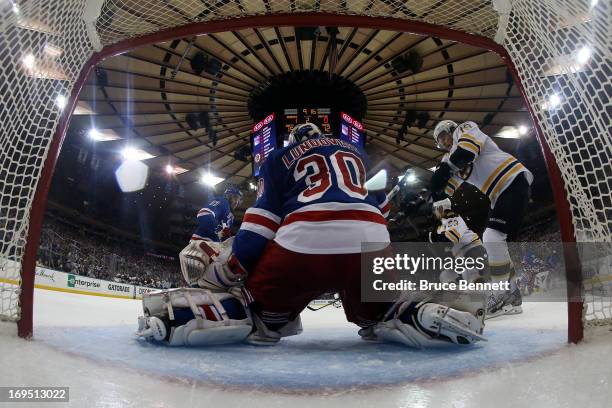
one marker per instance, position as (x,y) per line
(73,248)
(76,249)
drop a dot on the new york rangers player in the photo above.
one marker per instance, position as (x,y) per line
(215,219)
(473,157)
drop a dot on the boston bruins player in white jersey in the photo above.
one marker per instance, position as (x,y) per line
(475,158)
(464,243)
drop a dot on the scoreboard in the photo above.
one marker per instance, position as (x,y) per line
(264,141)
(265,137)
(351,130)
(318,116)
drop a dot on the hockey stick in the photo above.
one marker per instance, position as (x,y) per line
(397,187)
(336,303)
(379,182)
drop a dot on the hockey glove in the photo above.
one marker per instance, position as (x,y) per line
(223,275)
(196,257)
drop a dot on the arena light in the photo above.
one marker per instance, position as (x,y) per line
(210,179)
(410,179)
(15,8)
(29,62)
(53,50)
(43,71)
(509,132)
(132,175)
(132,154)
(61,101)
(523,130)
(104,135)
(169,169)
(407,178)
(252,186)
(572,62)
(583,55)
(94,134)
(553,102)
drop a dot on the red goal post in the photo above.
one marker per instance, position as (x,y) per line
(526,44)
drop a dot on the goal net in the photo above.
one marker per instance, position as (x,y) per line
(560,48)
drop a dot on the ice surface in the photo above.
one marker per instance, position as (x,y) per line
(87,343)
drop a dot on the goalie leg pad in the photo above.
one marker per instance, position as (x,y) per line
(194,317)
(201,332)
(424,324)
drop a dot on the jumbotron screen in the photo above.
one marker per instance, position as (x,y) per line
(351,130)
(318,116)
(264,141)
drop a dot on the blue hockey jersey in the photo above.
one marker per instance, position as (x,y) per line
(312,199)
(213,218)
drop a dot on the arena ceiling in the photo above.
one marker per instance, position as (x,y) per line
(144,95)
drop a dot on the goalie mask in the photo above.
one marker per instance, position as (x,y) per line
(304,131)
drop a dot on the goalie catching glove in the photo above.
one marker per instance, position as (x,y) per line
(211,265)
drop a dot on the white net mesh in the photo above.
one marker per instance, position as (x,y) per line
(561,50)
(44,44)
(32,85)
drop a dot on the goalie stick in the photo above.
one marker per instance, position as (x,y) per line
(336,302)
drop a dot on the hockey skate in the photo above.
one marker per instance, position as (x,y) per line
(262,335)
(504,303)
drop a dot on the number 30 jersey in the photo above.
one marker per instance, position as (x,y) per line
(312,200)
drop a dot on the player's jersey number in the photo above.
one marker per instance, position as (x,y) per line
(316,169)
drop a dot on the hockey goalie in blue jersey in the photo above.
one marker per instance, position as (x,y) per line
(302,238)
